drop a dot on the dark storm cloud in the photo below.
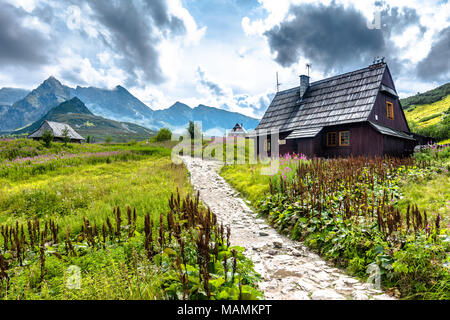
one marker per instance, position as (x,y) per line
(159,12)
(333,36)
(395,20)
(326,35)
(436,66)
(213,87)
(20,45)
(133,27)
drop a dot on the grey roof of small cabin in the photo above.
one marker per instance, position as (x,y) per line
(345,98)
(57,129)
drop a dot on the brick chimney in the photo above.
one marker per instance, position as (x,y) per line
(304,84)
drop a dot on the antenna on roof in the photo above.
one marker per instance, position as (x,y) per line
(308,66)
(278,84)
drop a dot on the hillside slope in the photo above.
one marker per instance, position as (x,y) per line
(428,113)
(428,97)
(10,95)
(36,104)
(79,117)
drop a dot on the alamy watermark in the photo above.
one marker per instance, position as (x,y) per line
(73,280)
(376,22)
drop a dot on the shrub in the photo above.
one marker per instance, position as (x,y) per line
(163,134)
(66,136)
(47,138)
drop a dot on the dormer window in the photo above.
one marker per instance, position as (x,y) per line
(390,110)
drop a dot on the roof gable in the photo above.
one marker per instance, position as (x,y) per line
(57,129)
(340,99)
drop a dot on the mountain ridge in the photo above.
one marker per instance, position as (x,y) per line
(75,113)
(428,97)
(117,104)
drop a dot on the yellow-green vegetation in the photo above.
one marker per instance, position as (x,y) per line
(429,193)
(248,180)
(430,119)
(428,114)
(429,189)
(11,149)
(355,213)
(100,222)
(68,194)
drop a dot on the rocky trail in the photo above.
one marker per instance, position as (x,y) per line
(289,270)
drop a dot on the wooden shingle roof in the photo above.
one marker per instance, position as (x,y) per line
(345,98)
(57,129)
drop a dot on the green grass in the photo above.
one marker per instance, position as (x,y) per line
(431,194)
(67,191)
(19,148)
(68,194)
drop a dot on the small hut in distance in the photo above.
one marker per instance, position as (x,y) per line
(238,131)
(57,129)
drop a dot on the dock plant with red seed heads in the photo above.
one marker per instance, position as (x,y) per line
(346,209)
(186,248)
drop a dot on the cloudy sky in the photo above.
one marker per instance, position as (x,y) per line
(222,53)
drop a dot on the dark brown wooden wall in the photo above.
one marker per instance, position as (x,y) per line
(399,122)
(396,147)
(364,140)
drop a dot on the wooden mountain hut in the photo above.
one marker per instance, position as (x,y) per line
(352,114)
(57,129)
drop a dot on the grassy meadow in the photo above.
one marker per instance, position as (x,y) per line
(103,214)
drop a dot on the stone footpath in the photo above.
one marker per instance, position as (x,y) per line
(289,270)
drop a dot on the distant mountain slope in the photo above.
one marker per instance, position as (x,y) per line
(179,115)
(428,97)
(37,103)
(78,116)
(10,95)
(117,104)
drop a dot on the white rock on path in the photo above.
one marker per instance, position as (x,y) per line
(327,295)
(289,270)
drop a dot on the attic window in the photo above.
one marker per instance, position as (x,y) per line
(390,110)
(344,138)
(331,139)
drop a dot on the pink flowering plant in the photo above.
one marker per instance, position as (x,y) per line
(288,165)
